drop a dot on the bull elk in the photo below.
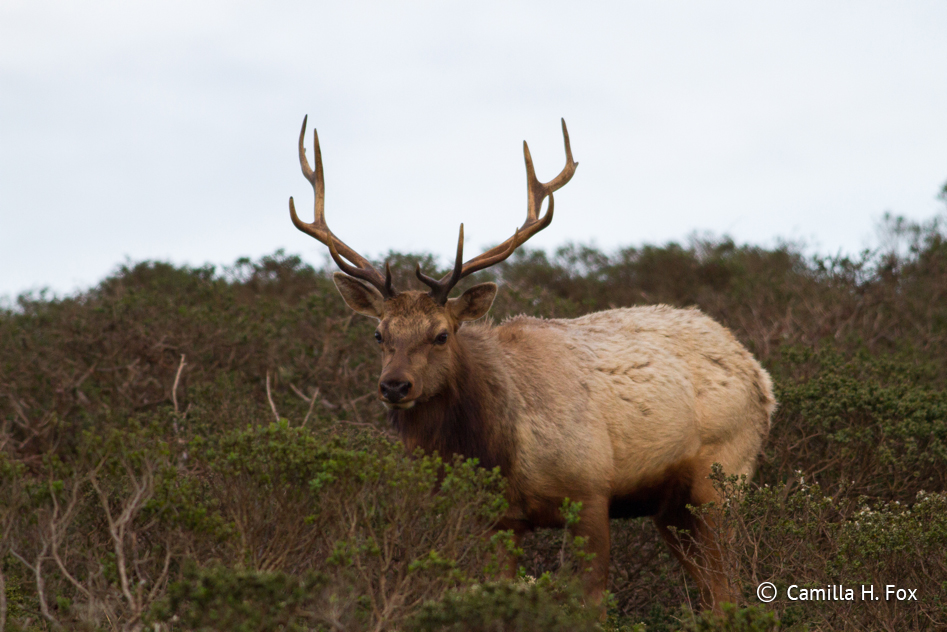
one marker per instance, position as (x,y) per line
(623,410)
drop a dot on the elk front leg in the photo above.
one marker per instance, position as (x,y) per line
(507,560)
(593,526)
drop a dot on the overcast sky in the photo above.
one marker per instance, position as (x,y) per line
(167,130)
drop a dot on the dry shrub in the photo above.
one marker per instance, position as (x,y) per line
(89,539)
(386,530)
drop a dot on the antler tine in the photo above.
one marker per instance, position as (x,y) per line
(370,275)
(440,289)
(316,178)
(319,229)
(476,265)
(536,191)
(389,291)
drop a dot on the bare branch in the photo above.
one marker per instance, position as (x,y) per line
(3,601)
(269,397)
(315,396)
(57,526)
(118,528)
(174,389)
(299,393)
(37,569)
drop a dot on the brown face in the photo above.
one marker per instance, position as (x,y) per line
(417,336)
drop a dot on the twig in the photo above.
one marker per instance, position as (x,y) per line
(19,411)
(348,321)
(4,438)
(299,393)
(7,527)
(119,525)
(269,397)
(355,414)
(162,578)
(84,377)
(3,601)
(40,583)
(174,389)
(315,396)
(57,525)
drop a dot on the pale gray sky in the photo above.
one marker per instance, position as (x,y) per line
(167,130)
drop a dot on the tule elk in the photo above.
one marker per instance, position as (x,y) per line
(623,410)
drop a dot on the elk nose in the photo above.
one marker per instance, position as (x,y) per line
(394,391)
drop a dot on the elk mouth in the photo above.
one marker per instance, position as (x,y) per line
(398,405)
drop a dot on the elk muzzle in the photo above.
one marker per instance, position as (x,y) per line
(394,391)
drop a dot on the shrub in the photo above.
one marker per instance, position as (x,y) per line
(863,423)
(796,535)
(536,606)
(389,530)
(733,619)
(220,598)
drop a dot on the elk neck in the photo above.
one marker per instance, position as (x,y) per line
(470,415)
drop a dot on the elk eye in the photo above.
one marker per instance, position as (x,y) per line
(378,337)
(441,338)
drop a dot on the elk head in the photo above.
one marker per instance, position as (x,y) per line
(417,330)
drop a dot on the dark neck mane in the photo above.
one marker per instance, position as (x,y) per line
(467,417)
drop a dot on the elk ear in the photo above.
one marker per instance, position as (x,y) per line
(361,297)
(473,303)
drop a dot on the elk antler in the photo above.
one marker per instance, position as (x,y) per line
(320,230)
(537,190)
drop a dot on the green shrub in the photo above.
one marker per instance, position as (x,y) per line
(537,606)
(863,423)
(733,619)
(221,598)
(384,530)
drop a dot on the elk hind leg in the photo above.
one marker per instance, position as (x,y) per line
(695,542)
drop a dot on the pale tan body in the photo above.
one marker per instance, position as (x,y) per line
(627,395)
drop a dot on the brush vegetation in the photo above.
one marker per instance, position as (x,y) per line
(200,449)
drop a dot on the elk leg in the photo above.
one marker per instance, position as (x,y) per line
(507,561)
(593,526)
(697,550)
